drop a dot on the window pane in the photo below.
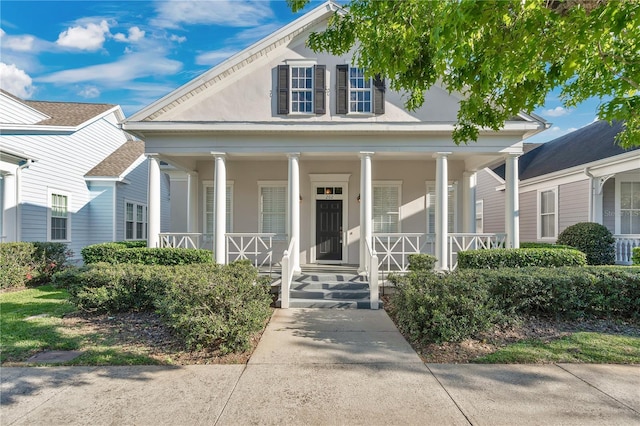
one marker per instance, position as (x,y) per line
(129,231)
(385,208)
(273,200)
(139,215)
(625,195)
(129,211)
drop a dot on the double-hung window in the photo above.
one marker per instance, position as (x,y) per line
(135,217)
(630,207)
(479,216)
(59,229)
(359,91)
(300,88)
(452,206)
(273,208)
(548,213)
(386,207)
(210,205)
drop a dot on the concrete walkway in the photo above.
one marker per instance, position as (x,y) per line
(324,367)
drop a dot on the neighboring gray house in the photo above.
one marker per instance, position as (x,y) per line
(583,176)
(70,174)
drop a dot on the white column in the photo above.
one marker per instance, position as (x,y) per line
(442,225)
(512,209)
(366,204)
(220,214)
(153,203)
(10,209)
(192,202)
(294,208)
(469,201)
(362,248)
(596,200)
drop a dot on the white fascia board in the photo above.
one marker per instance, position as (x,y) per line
(13,156)
(228,65)
(116,110)
(19,129)
(140,127)
(495,176)
(133,165)
(106,179)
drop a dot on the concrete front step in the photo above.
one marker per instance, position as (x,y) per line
(330,294)
(311,286)
(328,304)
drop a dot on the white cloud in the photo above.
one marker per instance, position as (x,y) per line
(20,43)
(556,112)
(131,67)
(229,13)
(214,57)
(253,34)
(84,37)
(135,34)
(15,81)
(89,92)
(179,39)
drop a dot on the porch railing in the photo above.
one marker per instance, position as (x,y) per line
(371,269)
(181,239)
(287,275)
(257,247)
(394,249)
(624,247)
(462,242)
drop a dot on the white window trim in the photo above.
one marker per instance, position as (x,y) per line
(349,112)
(539,192)
(389,184)
(302,64)
(145,217)
(480,216)
(50,192)
(454,186)
(210,184)
(620,178)
(271,184)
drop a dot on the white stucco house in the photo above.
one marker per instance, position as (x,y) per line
(282,148)
(583,176)
(70,174)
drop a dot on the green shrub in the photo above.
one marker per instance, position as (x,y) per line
(421,262)
(543,245)
(520,258)
(222,310)
(635,258)
(593,239)
(16,267)
(49,258)
(107,288)
(133,244)
(432,307)
(118,253)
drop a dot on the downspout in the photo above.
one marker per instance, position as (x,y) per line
(19,197)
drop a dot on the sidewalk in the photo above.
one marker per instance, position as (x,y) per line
(324,367)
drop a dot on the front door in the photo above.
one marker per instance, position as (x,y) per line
(329,230)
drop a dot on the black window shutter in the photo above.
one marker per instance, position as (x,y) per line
(319,98)
(342,83)
(378,95)
(283,89)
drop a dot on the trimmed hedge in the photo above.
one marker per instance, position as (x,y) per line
(635,258)
(15,264)
(520,258)
(593,239)
(421,262)
(433,307)
(209,306)
(116,253)
(544,245)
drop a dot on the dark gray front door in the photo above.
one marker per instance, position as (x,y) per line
(329,230)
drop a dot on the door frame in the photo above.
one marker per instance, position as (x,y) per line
(333,180)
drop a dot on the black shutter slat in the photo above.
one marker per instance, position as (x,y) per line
(283,89)
(378,95)
(342,83)
(319,98)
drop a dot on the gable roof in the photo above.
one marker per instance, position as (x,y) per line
(238,61)
(118,161)
(66,114)
(585,145)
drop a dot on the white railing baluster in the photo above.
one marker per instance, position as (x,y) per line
(624,245)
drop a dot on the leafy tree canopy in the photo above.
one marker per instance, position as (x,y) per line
(504,56)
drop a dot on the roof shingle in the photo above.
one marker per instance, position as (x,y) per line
(119,160)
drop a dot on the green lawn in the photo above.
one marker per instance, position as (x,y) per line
(582,347)
(31,322)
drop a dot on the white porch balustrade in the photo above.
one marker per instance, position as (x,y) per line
(463,241)
(287,275)
(624,247)
(371,269)
(256,247)
(394,249)
(181,240)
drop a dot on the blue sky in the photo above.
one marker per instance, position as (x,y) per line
(132,53)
